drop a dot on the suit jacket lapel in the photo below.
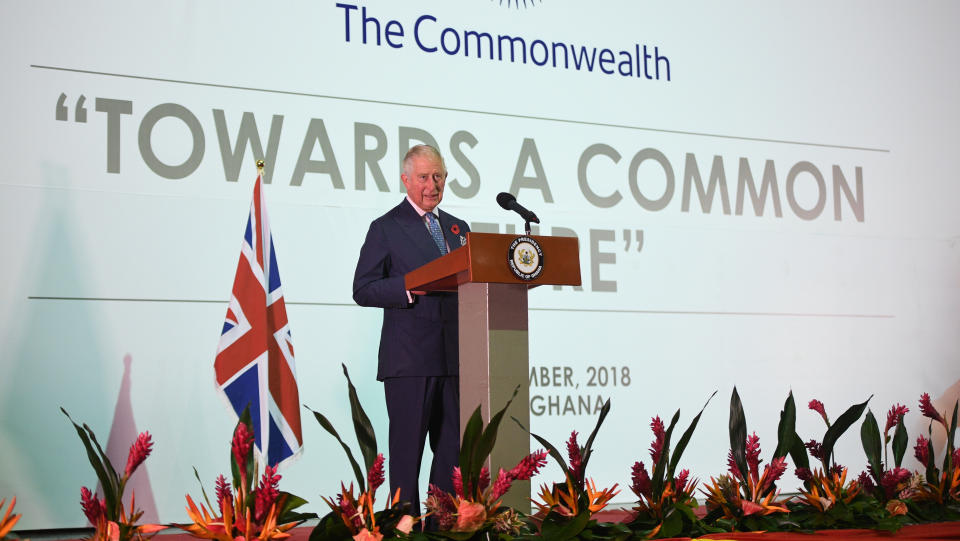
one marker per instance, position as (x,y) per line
(413,226)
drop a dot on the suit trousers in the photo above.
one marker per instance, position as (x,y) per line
(418,407)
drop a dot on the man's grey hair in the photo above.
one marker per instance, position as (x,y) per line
(426,151)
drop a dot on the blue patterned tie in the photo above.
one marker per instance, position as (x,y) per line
(435,232)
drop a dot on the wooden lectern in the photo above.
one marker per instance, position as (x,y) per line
(494,347)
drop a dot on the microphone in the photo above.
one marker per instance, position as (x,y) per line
(509,202)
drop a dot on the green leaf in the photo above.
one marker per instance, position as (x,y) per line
(330,528)
(105,473)
(932,474)
(870,437)
(657,480)
(685,439)
(899,442)
(487,440)
(290,502)
(207,499)
(798,452)
(840,426)
(333,432)
(468,444)
(787,427)
(588,447)
(551,450)
(672,525)
(361,425)
(562,531)
(738,432)
(950,446)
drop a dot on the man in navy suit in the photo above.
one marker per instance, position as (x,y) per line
(419,356)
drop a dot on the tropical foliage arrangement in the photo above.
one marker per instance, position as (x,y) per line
(884,496)
(111,521)
(245,510)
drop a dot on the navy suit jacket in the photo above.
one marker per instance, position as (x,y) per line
(419,338)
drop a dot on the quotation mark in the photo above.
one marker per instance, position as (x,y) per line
(79,111)
(626,238)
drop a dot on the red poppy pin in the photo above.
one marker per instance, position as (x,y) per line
(455,229)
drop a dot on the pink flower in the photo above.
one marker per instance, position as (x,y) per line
(753,454)
(442,506)
(750,508)
(893,416)
(921,450)
(224,494)
(458,481)
(641,480)
(529,466)
(347,509)
(367,535)
(501,485)
(815,449)
(523,471)
(656,425)
(375,475)
(267,492)
(405,524)
(139,452)
(773,471)
(576,459)
(892,479)
(929,411)
(681,481)
(93,507)
(484,480)
(732,466)
(242,440)
(817,406)
(470,516)
(866,481)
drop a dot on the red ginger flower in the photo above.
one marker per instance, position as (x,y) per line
(753,454)
(139,452)
(929,411)
(523,471)
(484,479)
(242,440)
(659,434)
(892,479)
(641,480)
(804,474)
(866,481)
(93,507)
(267,492)
(893,416)
(922,451)
(732,466)
(442,506)
(576,459)
(224,494)
(375,475)
(457,481)
(817,406)
(772,472)
(680,482)
(815,449)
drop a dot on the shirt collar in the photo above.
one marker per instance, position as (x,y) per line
(420,211)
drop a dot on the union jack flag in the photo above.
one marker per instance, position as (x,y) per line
(254,365)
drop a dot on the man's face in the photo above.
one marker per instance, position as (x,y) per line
(424,178)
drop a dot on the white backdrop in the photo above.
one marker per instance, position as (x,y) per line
(122,225)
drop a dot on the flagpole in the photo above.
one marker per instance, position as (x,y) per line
(260,167)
